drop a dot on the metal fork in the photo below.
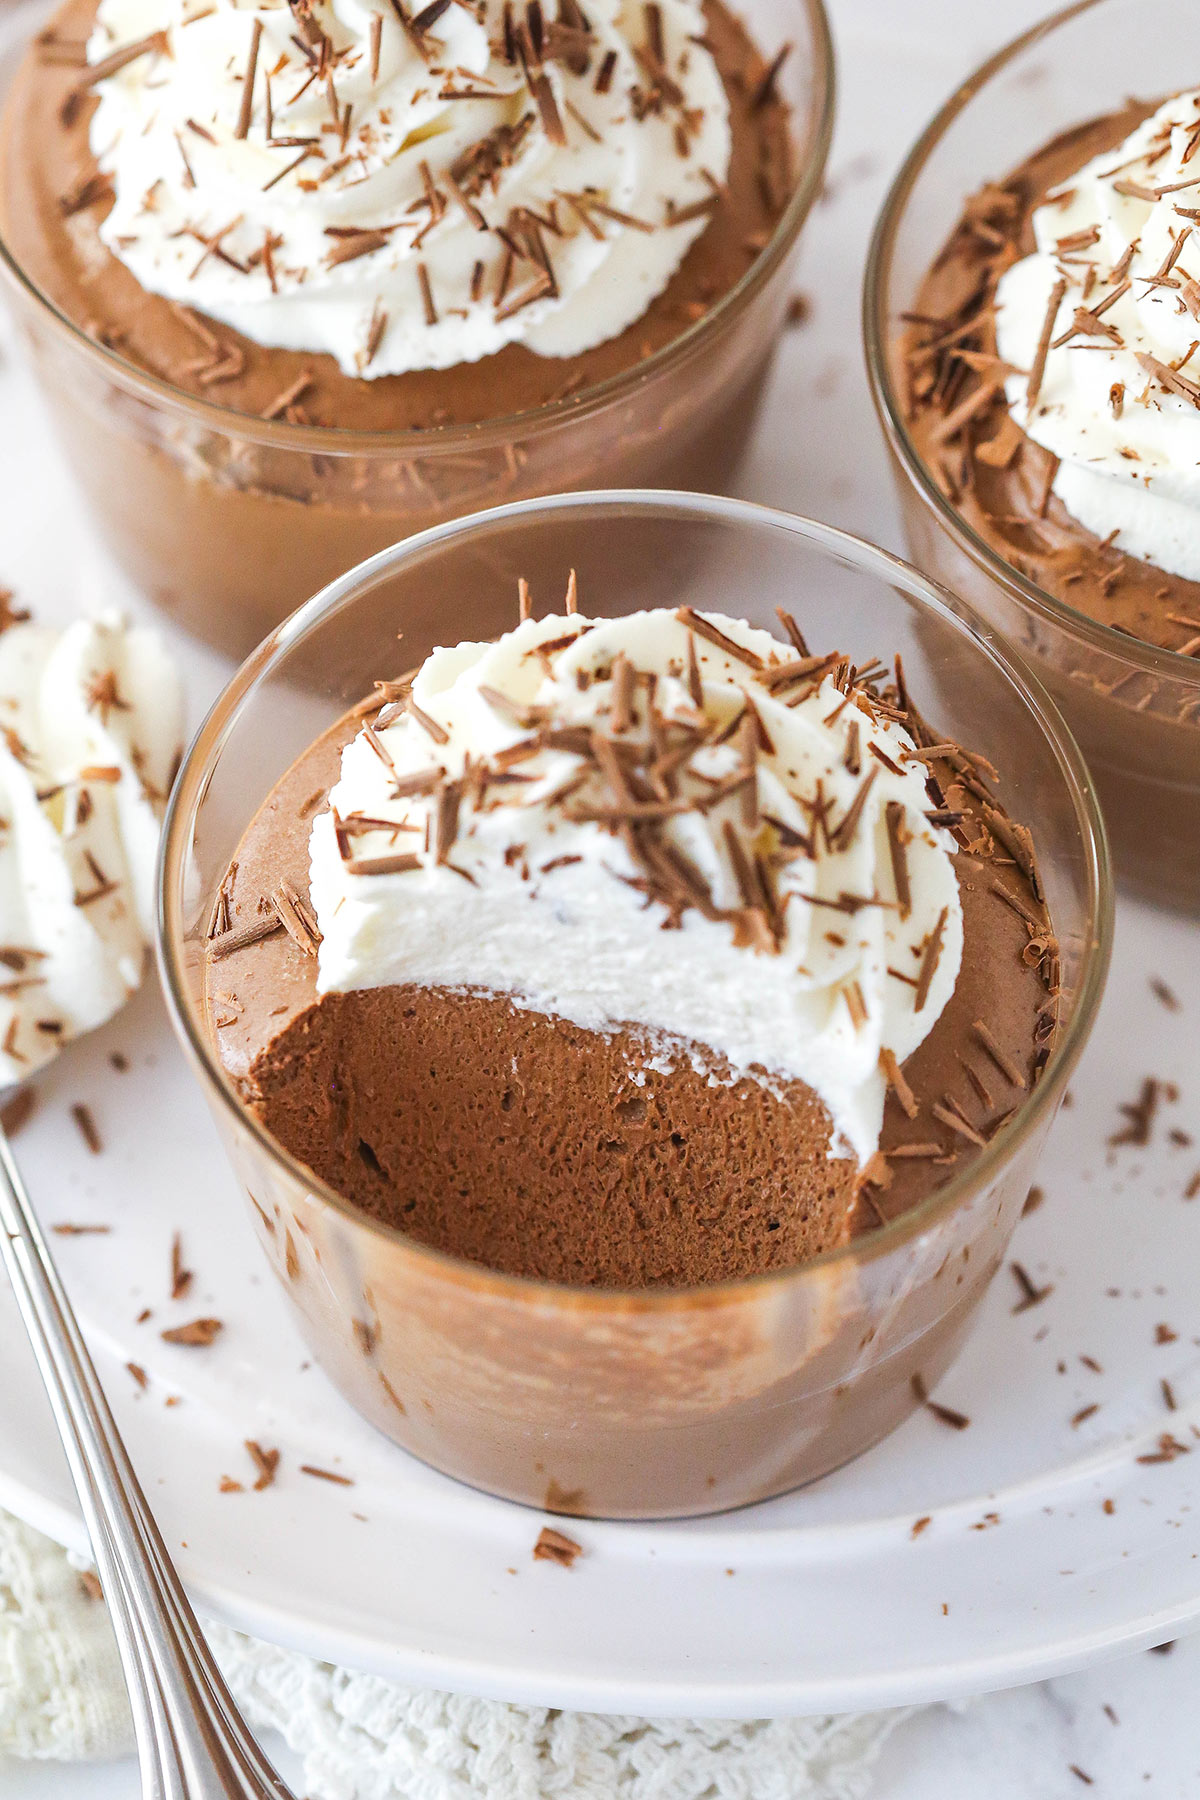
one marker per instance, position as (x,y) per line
(192,1742)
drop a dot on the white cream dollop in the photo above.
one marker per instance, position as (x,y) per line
(91,728)
(456,152)
(1119,235)
(539,897)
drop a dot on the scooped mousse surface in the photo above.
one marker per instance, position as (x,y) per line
(639,951)
(345,217)
(1049,373)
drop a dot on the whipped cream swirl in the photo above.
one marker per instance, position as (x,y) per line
(680,827)
(409,192)
(91,728)
(1119,397)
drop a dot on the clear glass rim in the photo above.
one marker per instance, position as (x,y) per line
(450,439)
(207,747)
(1133,653)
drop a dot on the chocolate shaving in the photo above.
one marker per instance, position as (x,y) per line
(1139,1116)
(1088,320)
(326,1475)
(247,107)
(805,668)
(1017,841)
(200,1333)
(843,836)
(351,247)
(539,289)
(1169,1448)
(1031,1293)
(547,105)
(289,395)
(1169,378)
(964,412)
(556,1547)
(1038,371)
(896,1081)
(951,1117)
(290,169)
(427,301)
(85,193)
(155,44)
(1018,906)
(1001,450)
(624,679)
(856,1004)
(243,935)
(297,917)
(929,961)
(663,84)
(446,829)
(694,686)
(592,204)
(17,1111)
(1137,190)
(181,1278)
(88,1130)
(402,863)
(948,1415)
(697,623)
(793,630)
(998,1054)
(898,846)
(428,17)
(266,1462)
(525,718)
(429,725)
(764,92)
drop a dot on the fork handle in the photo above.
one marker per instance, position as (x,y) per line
(192,1742)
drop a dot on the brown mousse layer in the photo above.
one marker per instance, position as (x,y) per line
(534,1147)
(996,477)
(53,200)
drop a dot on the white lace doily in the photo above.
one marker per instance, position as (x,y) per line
(361,1738)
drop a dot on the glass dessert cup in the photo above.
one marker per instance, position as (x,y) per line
(230,522)
(1133,708)
(665,1402)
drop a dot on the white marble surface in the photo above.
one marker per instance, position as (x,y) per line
(1127,1726)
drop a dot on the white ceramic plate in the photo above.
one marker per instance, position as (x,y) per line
(822,1601)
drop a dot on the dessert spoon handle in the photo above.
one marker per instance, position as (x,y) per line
(192,1741)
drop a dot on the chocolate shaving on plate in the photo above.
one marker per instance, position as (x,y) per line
(199,1333)
(556,1547)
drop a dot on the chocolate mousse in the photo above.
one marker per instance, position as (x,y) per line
(1047,371)
(55,198)
(319,226)
(631,952)
(968,406)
